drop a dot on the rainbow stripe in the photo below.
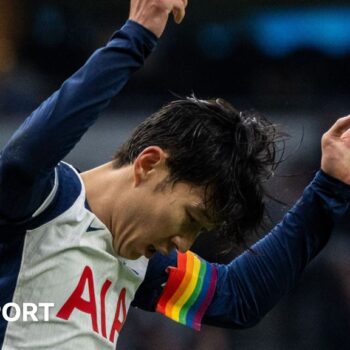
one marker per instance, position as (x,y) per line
(189,290)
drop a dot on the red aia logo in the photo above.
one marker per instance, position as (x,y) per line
(75,301)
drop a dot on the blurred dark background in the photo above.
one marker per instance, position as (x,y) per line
(288,59)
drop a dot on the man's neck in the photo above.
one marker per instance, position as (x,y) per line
(104,188)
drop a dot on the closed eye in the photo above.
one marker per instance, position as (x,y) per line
(192,219)
(199,228)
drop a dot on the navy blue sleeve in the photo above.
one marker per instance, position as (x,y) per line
(28,160)
(253,283)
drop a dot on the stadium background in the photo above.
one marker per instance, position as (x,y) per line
(289,61)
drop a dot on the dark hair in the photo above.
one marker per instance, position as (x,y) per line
(212,144)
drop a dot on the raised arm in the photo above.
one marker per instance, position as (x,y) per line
(27,162)
(252,284)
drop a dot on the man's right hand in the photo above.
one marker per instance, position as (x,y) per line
(154,14)
(336,150)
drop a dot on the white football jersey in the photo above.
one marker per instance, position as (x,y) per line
(68,260)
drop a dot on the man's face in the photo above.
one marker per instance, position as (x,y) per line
(159,216)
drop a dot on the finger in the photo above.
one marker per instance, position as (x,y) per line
(179,15)
(340,126)
(179,11)
(346,134)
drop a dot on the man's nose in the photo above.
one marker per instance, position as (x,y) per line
(183,243)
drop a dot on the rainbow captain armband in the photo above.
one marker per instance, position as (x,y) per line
(188,291)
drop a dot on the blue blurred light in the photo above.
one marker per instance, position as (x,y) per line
(281,32)
(49,26)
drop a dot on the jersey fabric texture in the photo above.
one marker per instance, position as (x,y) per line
(54,249)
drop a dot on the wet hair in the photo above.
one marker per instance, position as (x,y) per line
(211,144)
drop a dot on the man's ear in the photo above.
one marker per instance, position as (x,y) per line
(151,159)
